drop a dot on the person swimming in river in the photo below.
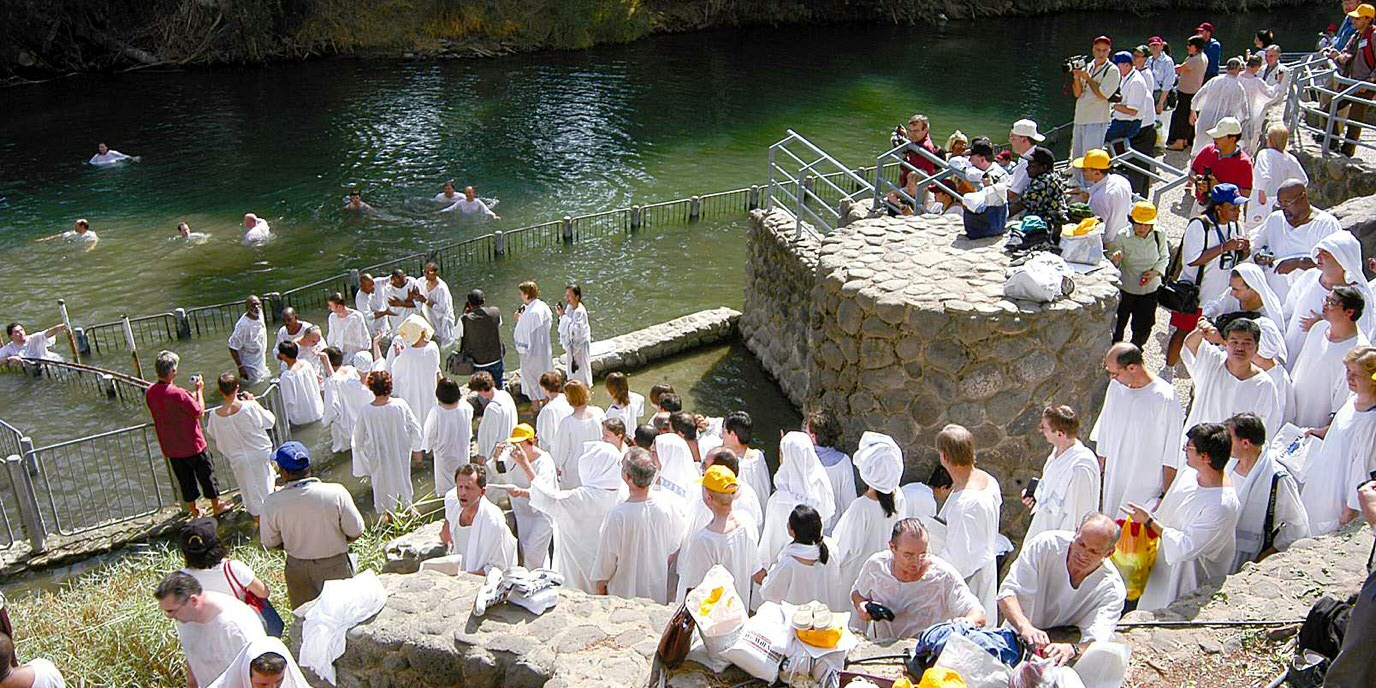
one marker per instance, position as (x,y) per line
(355,203)
(184,233)
(470,204)
(80,231)
(256,231)
(448,196)
(105,156)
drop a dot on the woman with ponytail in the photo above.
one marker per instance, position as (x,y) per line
(806,568)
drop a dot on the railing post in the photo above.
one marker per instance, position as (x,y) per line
(354,281)
(133,346)
(498,242)
(754,197)
(567,229)
(83,343)
(27,498)
(67,326)
(107,384)
(275,305)
(635,218)
(183,323)
(695,209)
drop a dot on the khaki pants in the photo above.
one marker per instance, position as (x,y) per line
(1354,111)
(306,577)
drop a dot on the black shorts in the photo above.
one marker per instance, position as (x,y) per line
(194,476)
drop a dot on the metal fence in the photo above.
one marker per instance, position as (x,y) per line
(1323,103)
(75,486)
(810,184)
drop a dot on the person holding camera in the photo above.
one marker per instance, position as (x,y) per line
(240,428)
(575,334)
(1213,244)
(1133,113)
(1092,82)
(177,421)
(1223,161)
(902,590)
(480,335)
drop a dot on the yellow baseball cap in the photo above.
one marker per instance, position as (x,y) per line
(1363,10)
(1096,159)
(521,433)
(720,479)
(1144,213)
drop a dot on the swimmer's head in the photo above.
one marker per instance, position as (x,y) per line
(354,195)
(102,148)
(448,188)
(184,229)
(469,193)
(250,220)
(82,226)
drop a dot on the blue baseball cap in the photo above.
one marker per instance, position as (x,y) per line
(292,456)
(1226,193)
(1122,57)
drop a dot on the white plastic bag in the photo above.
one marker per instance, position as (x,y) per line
(762,644)
(1104,664)
(1292,449)
(342,605)
(974,664)
(1086,250)
(1043,279)
(718,610)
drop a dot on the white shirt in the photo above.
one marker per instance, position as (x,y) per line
(1270,169)
(1111,199)
(1089,108)
(214,578)
(467,207)
(577,515)
(1320,377)
(1283,241)
(1197,544)
(547,423)
(939,595)
(487,542)
(737,551)
(414,373)
(243,439)
(34,346)
(1201,235)
(533,345)
(1219,395)
(350,334)
(300,390)
(210,647)
(499,419)
(250,339)
(972,518)
(790,580)
(109,157)
(1019,174)
(259,233)
(369,305)
(1137,95)
(1040,580)
(1335,468)
(573,433)
(1138,432)
(637,540)
(631,413)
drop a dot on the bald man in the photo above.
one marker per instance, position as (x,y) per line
(256,230)
(1062,579)
(1285,242)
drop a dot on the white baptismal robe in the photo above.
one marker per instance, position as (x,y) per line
(250,339)
(745,508)
(631,413)
(1198,544)
(243,440)
(1290,522)
(677,473)
(575,335)
(486,543)
(637,540)
(349,334)
(440,313)
(737,551)
(210,647)
(843,489)
(384,437)
(577,515)
(499,419)
(448,434)
(1040,580)
(414,373)
(345,394)
(1067,492)
(239,674)
(801,479)
(547,423)
(939,595)
(390,292)
(534,346)
(534,528)
(1219,396)
(862,530)
(300,390)
(1320,377)
(574,432)
(1137,432)
(790,580)
(918,501)
(972,529)
(1335,468)
(755,472)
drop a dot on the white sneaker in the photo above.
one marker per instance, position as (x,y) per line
(489,594)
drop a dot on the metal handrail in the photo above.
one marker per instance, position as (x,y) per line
(882,185)
(1317,76)
(800,187)
(88,438)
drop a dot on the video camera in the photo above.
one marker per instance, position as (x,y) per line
(1074,62)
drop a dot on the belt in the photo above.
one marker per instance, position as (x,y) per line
(311,561)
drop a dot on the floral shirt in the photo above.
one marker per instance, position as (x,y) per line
(1045,198)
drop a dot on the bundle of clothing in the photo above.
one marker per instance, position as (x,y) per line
(533,590)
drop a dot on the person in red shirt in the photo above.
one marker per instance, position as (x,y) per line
(920,135)
(177,420)
(1222,162)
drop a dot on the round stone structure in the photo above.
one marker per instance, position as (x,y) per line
(909,330)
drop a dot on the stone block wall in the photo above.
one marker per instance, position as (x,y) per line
(1333,178)
(908,330)
(636,349)
(1358,215)
(780,272)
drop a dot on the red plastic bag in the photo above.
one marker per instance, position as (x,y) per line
(1134,556)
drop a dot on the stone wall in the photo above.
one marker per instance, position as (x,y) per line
(1333,178)
(907,330)
(636,349)
(780,273)
(1358,215)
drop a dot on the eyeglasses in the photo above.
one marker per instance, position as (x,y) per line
(1282,205)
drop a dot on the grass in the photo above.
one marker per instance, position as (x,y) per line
(104,628)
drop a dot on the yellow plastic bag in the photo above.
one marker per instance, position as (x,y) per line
(1134,556)
(820,637)
(941,677)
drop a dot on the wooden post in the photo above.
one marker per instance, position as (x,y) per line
(695,209)
(133,348)
(67,326)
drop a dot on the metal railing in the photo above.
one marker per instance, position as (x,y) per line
(806,182)
(1319,102)
(893,166)
(123,388)
(1163,176)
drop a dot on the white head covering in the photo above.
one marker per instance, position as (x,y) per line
(363,361)
(676,464)
(413,327)
(237,675)
(880,462)
(801,474)
(600,466)
(1272,344)
(1348,251)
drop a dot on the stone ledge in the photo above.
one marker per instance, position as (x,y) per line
(1358,215)
(636,349)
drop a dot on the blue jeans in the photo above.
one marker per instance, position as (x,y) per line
(989,223)
(1122,129)
(495,369)
(1084,138)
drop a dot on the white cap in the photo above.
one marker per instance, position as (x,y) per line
(1228,126)
(1028,128)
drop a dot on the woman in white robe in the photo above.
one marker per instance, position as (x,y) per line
(532,340)
(387,438)
(1333,470)
(439,307)
(300,388)
(799,480)
(240,671)
(575,335)
(448,434)
(972,541)
(578,513)
(1067,492)
(345,394)
(239,429)
(627,405)
(1272,310)
(577,429)
(416,368)
(807,568)
(868,521)
(1339,258)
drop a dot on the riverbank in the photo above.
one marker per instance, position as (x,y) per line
(39,40)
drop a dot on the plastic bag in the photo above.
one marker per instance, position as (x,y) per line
(1292,448)
(1087,249)
(762,644)
(1043,279)
(979,668)
(1134,556)
(940,677)
(718,609)
(342,605)
(1104,664)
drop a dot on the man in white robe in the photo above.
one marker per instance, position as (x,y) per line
(346,328)
(726,540)
(1068,490)
(1219,97)
(746,506)
(640,537)
(299,387)
(532,339)
(869,519)
(1271,515)
(256,667)
(212,627)
(799,480)
(248,343)
(971,515)
(1063,578)
(473,526)
(1320,378)
(534,528)
(919,588)
(1137,434)
(402,295)
(1347,455)
(737,432)
(1226,384)
(1197,521)
(292,330)
(499,413)
(370,302)
(22,344)
(825,432)
(1339,259)
(578,513)
(1284,244)
(416,368)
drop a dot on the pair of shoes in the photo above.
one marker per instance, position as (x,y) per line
(493,591)
(813,615)
(532,582)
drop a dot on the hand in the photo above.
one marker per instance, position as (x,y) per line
(1238,244)
(1366,498)
(1136,512)
(1207,329)
(1194,117)
(247,396)
(1147,275)
(199,383)
(1080,73)
(518,492)
(1028,502)
(860,612)
(1264,261)
(243,374)
(1290,265)
(1035,637)
(1116,257)
(1308,321)
(559,308)
(1060,653)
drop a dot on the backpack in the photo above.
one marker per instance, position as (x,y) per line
(1322,634)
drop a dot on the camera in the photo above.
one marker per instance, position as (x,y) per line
(1117,97)
(878,612)
(1074,62)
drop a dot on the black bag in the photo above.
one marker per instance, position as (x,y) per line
(460,363)
(1321,633)
(1178,296)
(1172,99)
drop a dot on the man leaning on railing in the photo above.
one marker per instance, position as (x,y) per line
(177,420)
(1356,60)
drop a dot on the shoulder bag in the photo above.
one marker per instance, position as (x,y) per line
(1175,294)
(272,621)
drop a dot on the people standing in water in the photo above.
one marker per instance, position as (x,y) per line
(185,234)
(355,203)
(80,232)
(105,156)
(470,204)
(256,230)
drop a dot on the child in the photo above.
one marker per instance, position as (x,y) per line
(240,431)
(737,432)
(727,541)
(826,434)
(626,405)
(299,386)
(344,395)
(806,569)
(448,433)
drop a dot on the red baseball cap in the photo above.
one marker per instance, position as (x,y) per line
(1103,39)
(1206,26)
(1155,40)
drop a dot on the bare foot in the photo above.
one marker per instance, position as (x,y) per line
(221,506)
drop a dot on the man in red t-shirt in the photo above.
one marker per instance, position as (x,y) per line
(1222,162)
(177,420)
